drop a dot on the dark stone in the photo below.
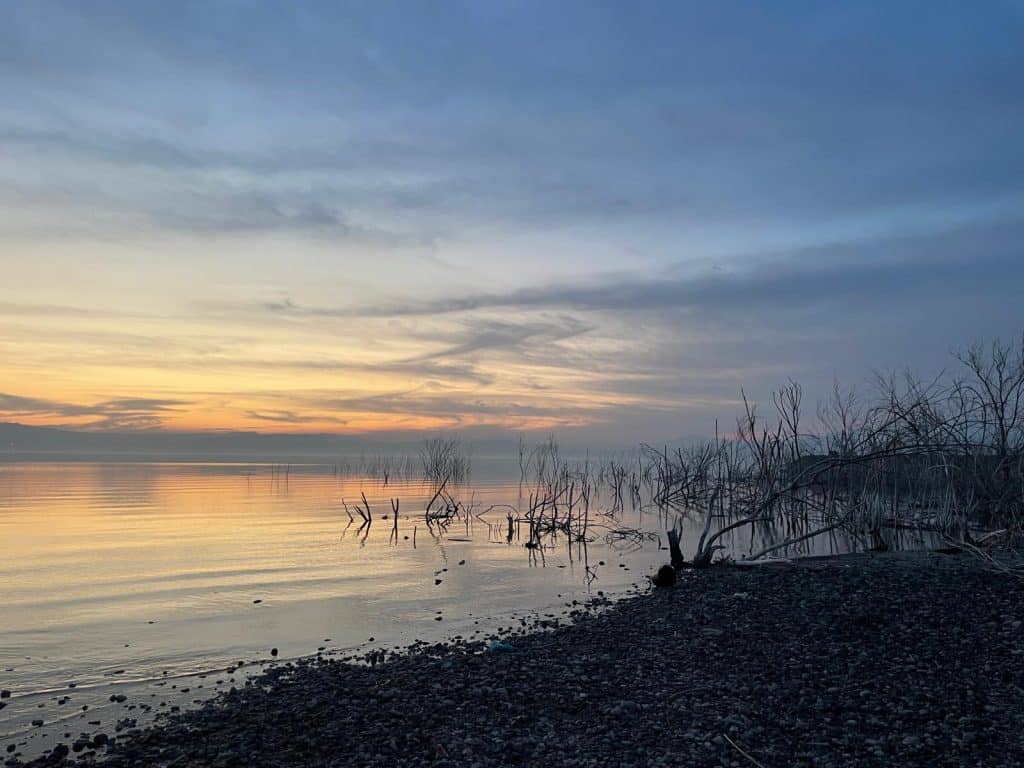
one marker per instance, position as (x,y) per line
(666,577)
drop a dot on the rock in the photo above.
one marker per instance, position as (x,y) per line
(665,577)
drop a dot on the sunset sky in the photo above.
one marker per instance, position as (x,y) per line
(598,219)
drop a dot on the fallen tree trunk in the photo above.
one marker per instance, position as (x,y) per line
(789,542)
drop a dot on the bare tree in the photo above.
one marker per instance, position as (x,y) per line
(946,454)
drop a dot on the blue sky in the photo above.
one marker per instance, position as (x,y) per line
(602,219)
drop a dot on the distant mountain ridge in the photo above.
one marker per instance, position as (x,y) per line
(24,439)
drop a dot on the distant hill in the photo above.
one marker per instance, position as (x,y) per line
(19,439)
(24,442)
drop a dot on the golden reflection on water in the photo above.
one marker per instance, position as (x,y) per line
(93,544)
(92,539)
(120,577)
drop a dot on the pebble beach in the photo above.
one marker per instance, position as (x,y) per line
(866,660)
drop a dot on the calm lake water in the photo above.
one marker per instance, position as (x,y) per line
(131,578)
(149,580)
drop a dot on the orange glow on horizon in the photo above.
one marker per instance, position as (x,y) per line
(246,372)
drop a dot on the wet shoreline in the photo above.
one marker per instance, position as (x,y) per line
(861,660)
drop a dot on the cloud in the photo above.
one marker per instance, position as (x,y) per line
(198,206)
(57,310)
(460,408)
(117,414)
(291,417)
(535,117)
(507,336)
(976,257)
(423,369)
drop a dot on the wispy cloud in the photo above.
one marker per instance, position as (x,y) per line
(10,309)
(117,414)
(460,409)
(291,417)
(487,335)
(951,262)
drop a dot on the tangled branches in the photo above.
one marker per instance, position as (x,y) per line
(946,456)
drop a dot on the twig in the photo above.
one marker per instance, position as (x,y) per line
(739,749)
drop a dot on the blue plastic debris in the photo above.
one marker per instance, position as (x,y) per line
(498,646)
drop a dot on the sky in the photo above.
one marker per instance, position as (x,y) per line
(597,219)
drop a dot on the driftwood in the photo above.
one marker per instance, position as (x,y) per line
(790,542)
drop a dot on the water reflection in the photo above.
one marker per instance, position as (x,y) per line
(120,577)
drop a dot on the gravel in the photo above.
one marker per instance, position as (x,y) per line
(859,661)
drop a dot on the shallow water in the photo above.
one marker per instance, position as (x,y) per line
(131,578)
(144,579)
